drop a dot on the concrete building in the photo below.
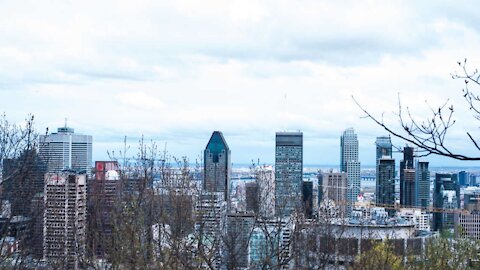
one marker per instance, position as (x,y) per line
(418,217)
(239,227)
(469,221)
(65,225)
(350,164)
(217,165)
(66,150)
(288,172)
(333,187)
(103,191)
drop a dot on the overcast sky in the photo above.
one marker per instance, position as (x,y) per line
(177,70)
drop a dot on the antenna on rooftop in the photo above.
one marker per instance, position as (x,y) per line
(66,120)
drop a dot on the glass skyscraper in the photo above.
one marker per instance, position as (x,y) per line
(217,165)
(288,172)
(349,163)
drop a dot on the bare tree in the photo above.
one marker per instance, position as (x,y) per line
(430,135)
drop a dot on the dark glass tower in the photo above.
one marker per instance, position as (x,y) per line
(217,165)
(422,184)
(407,178)
(288,172)
(385,189)
(446,195)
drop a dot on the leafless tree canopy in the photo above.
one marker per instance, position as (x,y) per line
(430,135)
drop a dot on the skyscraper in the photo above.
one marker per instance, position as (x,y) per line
(384,147)
(66,150)
(446,195)
(385,189)
(422,184)
(217,166)
(288,172)
(65,219)
(349,163)
(333,187)
(407,197)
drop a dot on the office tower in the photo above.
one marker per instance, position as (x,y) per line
(265,178)
(446,195)
(103,191)
(384,147)
(66,150)
(23,177)
(239,229)
(470,222)
(409,188)
(464,178)
(307,196)
(473,180)
(288,172)
(210,208)
(252,197)
(385,189)
(407,197)
(349,163)
(332,187)
(217,166)
(422,182)
(65,219)
(471,199)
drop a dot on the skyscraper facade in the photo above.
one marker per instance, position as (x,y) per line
(385,189)
(384,147)
(288,172)
(65,219)
(407,197)
(333,187)
(217,165)
(66,150)
(350,164)
(446,195)
(422,184)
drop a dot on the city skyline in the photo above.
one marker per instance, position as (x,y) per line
(177,70)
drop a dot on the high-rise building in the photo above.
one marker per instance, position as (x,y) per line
(350,164)
(469,221)
(66,150)
(239,229)
(384,147)
(409,188)
(407,197)
(385,189)
(307,196)
(333,187)
(446,195)
(422,184)
(288,172)
(23,178)
(217,165)
(103,191)
(464,178)
(64,229)
(252,197)
(265,178)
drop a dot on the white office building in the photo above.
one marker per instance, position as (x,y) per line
(66,150)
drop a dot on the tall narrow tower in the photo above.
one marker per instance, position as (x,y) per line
(350,164)
(288,172)
(407,183)
(217,166)
(64,228)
